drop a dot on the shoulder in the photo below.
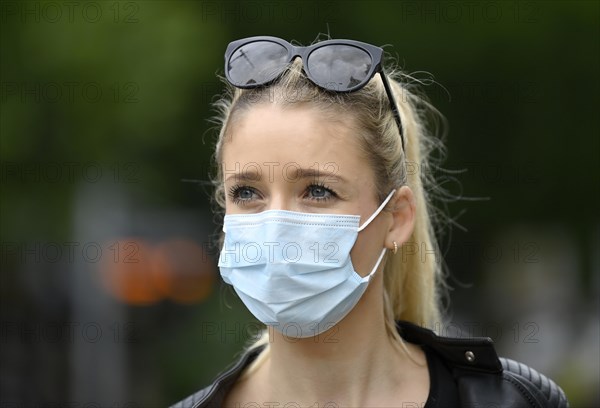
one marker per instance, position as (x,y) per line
(532,382)
(484,379)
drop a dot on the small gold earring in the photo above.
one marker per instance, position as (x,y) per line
(395,248)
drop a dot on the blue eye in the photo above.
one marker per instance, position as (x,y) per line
(245,194)
(241,194)
(319,192)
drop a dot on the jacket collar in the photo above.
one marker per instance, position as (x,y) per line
(473,353)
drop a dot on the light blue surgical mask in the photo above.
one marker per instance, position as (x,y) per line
(293,270)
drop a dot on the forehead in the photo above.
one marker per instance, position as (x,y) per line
(268,136)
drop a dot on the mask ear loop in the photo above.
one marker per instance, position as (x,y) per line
(370,275)
(376,213)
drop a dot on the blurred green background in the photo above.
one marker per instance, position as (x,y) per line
(110,295)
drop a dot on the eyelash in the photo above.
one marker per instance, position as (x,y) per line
(332,194)
(234,194)
(236,189)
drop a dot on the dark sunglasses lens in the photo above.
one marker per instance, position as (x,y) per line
(256,63)
(339,67)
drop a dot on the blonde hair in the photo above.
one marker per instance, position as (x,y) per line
(412,277)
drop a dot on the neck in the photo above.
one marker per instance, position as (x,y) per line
(348,364)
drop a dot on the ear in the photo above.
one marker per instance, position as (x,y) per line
(403,209)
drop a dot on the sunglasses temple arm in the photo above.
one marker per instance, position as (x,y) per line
(395,111)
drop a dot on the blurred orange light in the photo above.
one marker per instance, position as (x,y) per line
(138,273)
(125,271)
(183,271)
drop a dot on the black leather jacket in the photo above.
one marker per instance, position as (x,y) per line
(483,380)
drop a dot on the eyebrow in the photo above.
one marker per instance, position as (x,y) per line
(293,174)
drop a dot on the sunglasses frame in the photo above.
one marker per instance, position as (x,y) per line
(376,54)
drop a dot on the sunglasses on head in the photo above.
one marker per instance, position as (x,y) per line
(334,65)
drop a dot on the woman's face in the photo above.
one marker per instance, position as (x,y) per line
(293,159)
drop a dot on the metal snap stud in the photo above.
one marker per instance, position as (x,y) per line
(470,356)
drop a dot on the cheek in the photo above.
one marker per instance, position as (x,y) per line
(367,249)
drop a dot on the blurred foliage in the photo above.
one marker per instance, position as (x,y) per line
(126,87)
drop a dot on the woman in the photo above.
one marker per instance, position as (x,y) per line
(312,158)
